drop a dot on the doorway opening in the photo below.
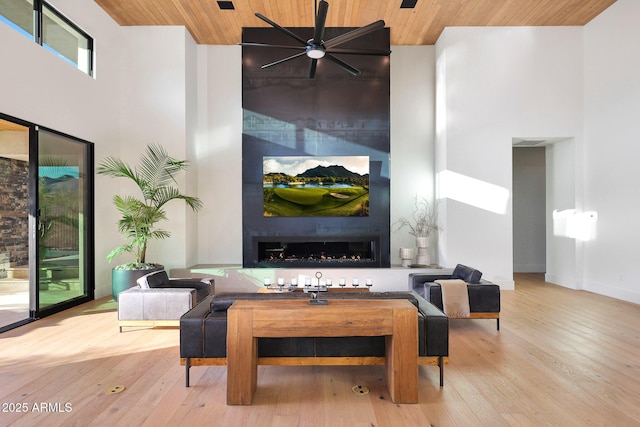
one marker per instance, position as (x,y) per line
(529,209)
(544,173)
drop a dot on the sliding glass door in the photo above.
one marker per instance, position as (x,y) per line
(46,222)
(62,222)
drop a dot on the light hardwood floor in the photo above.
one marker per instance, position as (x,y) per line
(561,358)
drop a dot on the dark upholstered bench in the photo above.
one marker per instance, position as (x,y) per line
(484,296)
(203,335)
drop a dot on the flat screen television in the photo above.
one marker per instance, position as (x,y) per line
(315,186)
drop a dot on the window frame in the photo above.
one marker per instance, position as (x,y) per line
(39,7)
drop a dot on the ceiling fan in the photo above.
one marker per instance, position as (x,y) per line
(316,48)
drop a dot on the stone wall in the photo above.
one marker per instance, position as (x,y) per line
(14,213)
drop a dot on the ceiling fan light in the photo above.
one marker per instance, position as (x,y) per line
(315,52)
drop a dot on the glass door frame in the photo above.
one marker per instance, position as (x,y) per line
(88,270)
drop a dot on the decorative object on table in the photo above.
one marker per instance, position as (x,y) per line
(406,256)
(422,222)
(315,296)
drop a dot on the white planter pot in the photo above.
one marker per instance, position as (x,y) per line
(423,251)
(406,256)
(422,242)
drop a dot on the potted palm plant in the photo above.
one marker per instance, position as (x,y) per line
(155,177)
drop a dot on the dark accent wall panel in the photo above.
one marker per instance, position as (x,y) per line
(336,114)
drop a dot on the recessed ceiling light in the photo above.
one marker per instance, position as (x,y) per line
(226,5)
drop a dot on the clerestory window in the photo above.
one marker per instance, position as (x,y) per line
(39,21)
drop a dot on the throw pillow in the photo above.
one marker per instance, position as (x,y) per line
(143,283)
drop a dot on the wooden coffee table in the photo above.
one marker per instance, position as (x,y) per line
(395,319)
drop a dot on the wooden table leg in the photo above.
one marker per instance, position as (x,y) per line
(402,357)
(242,358)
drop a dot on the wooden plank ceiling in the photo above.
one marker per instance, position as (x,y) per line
(421,25)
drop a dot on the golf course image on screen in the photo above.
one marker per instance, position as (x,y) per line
(316,186)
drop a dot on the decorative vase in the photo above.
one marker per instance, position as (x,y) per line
(406,256)
(422,243)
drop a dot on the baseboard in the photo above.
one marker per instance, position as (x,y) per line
(616,292)
(560,281)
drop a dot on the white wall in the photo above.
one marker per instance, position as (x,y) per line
(612,132)
(219,153)
(190,153)
(562,257)
(38,87)
(412,137)
(156,63)
(497,83)
(138,96)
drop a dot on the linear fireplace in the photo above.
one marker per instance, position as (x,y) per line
(345,252)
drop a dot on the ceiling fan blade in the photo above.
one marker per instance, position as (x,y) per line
(297,55)
(360,52)
(321,19)
(284,30)
(354,34)
(273,45)
(312,68)
(342,64)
